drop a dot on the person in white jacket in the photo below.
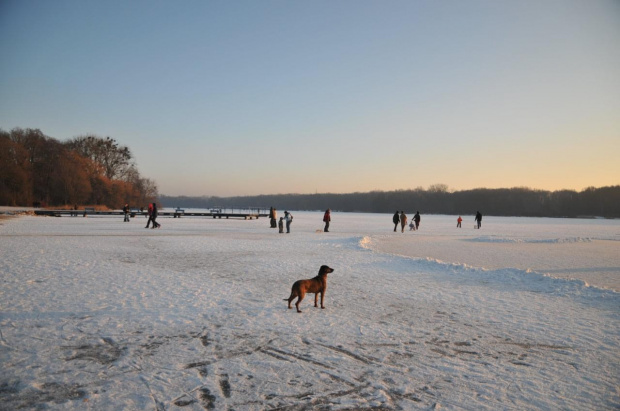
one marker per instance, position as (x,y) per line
(288,218)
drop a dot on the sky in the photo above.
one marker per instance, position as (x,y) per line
(227,98)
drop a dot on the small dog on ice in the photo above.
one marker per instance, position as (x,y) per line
(314,285)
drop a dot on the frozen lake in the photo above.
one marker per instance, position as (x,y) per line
(100,314)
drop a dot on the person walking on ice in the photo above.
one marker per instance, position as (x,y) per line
(478,219)
(458,222)
(416,218)
(403,221)
(396,220)
(150,212)
(154,217)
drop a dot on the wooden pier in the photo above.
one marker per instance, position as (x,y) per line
(246,214)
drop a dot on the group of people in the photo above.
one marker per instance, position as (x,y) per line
(398,218)
(287,219)
(478,220)
(152,215)
(401,218)
(152,212)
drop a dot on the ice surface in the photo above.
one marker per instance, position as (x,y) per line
(100,314)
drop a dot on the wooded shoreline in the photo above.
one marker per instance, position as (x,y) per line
(523,202)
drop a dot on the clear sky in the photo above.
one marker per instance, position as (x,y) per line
(263,97)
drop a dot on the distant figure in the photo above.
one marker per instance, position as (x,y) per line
(458,222)
(416,218)
(273,217)
(479,219)
(154,215)
(288,217)
(396,220)
(327,217)
(281,225)
(150,213)
(126,211)
(74,213)
(403,221)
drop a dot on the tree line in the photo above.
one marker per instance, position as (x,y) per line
(36,169)
(437,199)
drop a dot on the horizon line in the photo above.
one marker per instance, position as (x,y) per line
(448,190)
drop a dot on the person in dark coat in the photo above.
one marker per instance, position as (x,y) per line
(478,219)
(396,220)
(154,215)
(416,218)
(126,211)
(327,217)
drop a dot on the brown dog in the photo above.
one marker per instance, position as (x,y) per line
(315,285)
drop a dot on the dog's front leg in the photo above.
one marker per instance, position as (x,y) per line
(322,295)
(316,299)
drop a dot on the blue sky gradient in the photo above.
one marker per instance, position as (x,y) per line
(261,97)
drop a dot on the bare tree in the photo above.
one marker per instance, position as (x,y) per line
(115,160)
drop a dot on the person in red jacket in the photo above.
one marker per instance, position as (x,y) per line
(326,219)
(150,220)
(458,222)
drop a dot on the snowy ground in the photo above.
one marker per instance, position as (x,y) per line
(100,314)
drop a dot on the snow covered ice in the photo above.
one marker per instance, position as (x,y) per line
(100,314)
